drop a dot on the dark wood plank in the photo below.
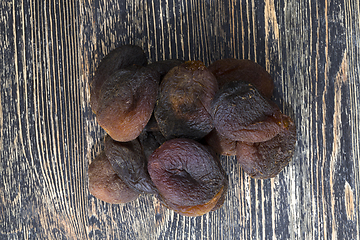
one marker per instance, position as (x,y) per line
(48,134)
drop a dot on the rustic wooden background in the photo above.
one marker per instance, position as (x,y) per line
(48,134)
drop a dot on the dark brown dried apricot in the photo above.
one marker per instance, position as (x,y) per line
(241,113)
(188,176)
(183,107)
(227,70)
(266,159)
(126,102)
(129,162)
(121,57)
(106,185)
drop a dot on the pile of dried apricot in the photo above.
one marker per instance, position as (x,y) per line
(167,120)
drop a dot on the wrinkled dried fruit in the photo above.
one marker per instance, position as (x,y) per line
(126,102)
(241,113)
(183,107)
(163,67)
(189,177)
(227,70)
(221,144)
(106,185)
(129,162)
(266,159)
(154,113)
(121,57)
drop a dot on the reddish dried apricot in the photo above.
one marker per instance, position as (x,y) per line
(189,178)
(183,107)
(241,113)
(106,185)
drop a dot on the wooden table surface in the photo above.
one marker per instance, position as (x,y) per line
(48,133)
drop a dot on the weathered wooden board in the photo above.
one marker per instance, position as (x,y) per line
(48,134)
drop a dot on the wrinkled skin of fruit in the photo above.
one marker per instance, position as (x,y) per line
(163,67)
(221,144)
(130,163)
(183,107)
(121,57)
(227,70)
(189,177)
(126,102)
(266,159)
(106,185)
(241,113)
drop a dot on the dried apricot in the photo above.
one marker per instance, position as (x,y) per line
(188,176)
(126,102)
(129,162)
(241,113)
(121,57)
(106,185)
(183,107)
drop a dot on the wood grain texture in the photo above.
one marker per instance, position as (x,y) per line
(48,134)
